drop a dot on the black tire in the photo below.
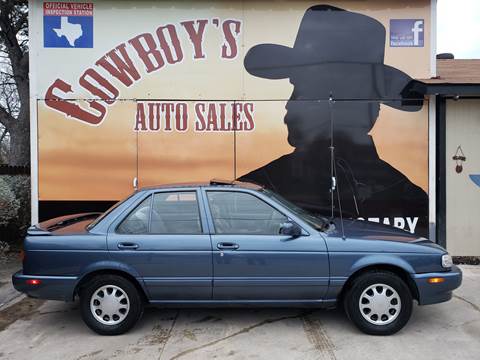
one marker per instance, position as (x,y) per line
(363,283)
(133,314)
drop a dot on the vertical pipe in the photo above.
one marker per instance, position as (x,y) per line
(432,156)
(34,41)
(441,186)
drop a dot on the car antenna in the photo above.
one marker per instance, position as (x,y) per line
(333,168)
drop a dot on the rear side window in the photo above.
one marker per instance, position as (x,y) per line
(175,213)
(242,213)
(137,221)
(164,213)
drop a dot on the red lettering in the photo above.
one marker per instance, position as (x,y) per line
(229,49)
(70,108)
(236,113)
(153,116)
(223,125)
(248,110)
(181,116)
(95,90)
(122,67)
(150,56)
(167,108)
(196,36)
(140,118)
(212,118)
(200,124)
(164,45)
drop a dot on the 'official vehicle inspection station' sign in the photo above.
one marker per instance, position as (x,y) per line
(68,25)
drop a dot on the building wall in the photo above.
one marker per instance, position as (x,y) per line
(463,188)
(97,157)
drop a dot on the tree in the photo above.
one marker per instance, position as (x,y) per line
(14,82)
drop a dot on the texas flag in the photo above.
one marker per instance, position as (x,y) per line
(67,25)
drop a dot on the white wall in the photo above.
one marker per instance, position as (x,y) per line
(463,195)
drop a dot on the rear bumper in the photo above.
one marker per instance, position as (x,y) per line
(49,288)
(439,292)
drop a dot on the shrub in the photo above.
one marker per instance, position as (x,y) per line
(9,204)
(20,186)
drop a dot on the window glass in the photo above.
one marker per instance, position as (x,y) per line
(113,207)
(137,221)
(242,213)
(317,221)
(175,213)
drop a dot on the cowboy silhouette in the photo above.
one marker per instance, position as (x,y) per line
(337,69)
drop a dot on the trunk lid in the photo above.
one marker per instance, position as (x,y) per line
(64,225)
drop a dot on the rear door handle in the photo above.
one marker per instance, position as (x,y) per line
(127,246)
(227,246)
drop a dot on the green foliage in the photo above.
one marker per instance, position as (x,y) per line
(20,185)
(14,208)
(9,204)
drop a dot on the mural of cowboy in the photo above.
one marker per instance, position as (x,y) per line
(329,61)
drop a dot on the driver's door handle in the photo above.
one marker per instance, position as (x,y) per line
(227,246)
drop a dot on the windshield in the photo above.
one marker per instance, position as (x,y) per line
(110,209)
(316,221)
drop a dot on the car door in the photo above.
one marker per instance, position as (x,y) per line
(252,261)
(165,240)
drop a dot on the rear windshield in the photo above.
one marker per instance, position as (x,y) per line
(113,207)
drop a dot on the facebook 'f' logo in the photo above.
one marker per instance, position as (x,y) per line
(407,32)
(417,30)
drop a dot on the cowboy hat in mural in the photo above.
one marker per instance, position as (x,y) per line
(339,55)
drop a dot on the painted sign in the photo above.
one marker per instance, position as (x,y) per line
(407,32)
(233,90)
(67,25)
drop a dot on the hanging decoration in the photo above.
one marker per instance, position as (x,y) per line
(459,158)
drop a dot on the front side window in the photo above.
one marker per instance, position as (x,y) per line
(242,213)
(164,213)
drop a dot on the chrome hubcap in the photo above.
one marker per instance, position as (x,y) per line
(110,305)
(380,304)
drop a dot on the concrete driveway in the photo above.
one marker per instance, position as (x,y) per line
(35,329)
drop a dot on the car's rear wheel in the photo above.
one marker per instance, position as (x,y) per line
(378,303)
(110,304)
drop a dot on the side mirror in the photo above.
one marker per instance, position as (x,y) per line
(291,229)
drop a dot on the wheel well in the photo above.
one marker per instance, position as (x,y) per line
(124,274)
(379,267)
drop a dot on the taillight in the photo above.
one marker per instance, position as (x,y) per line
(33,282)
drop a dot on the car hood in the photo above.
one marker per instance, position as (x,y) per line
(360,232)
(366,230)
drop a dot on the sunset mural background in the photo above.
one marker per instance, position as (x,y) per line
(82,162)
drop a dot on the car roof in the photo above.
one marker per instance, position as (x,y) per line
(211,183)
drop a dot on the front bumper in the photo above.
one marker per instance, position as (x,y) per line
(439,292)
(49,288)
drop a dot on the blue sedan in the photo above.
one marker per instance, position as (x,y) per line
(222,243)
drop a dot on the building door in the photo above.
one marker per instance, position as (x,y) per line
(463,177)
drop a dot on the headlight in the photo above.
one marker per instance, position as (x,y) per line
(447,261)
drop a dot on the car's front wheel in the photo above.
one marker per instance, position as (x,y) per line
(110,304)
(378,303)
